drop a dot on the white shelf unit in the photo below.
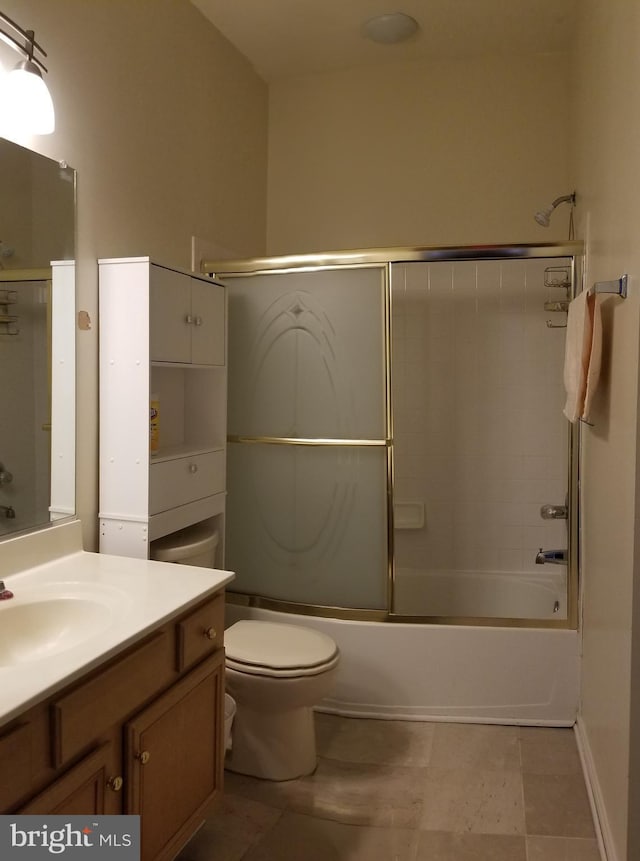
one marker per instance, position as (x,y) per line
(163,332)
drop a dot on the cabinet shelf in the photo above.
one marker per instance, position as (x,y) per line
(175,452)
(158,363)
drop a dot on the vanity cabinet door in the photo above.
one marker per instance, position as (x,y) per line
(93,787)
(16,764)
(174,753)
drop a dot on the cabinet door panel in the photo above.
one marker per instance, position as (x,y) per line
(15,756)
(170,306)
(82,790)
(174,758)
(207,307)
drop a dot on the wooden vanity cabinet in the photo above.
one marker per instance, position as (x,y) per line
(142,734)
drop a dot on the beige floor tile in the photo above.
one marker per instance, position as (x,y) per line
(480,801)
(270,792)
(549,751)
(359,794)
(557,805)
(464,746)
(445,846)
(381,742)
(304,838)
(562,849)
(236,824)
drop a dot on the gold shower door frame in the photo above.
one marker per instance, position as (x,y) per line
(383,258)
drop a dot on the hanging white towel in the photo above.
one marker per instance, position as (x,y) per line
(583,351)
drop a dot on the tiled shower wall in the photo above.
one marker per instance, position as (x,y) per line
(477,394)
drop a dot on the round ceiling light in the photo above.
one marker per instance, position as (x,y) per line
(391,28)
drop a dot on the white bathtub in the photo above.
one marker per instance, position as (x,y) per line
(487,594)
(407,671)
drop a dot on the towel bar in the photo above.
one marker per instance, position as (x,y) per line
(619,286)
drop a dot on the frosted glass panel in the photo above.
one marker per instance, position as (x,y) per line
(306,355)
(308,524)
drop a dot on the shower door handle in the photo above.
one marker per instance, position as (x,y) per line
(554,512)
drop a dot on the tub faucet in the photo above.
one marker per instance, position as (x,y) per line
(555,557)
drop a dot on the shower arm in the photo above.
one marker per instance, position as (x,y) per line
(566,198)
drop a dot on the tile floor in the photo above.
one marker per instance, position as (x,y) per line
(410,791)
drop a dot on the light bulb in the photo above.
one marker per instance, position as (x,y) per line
(27,102)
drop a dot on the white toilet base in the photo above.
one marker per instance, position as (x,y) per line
(273,745)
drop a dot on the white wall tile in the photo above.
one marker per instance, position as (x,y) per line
(479,428)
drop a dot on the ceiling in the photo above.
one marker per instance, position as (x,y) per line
(285,38)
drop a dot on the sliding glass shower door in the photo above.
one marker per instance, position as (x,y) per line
(482,449)
(308,437)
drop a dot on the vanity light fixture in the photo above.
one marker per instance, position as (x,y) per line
(25,100)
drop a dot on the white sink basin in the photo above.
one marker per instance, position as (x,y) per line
(39,623)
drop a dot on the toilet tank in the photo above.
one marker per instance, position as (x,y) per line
(194,545)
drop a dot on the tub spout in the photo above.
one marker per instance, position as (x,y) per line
(555,557)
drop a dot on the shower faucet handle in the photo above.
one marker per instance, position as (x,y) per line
(554,512)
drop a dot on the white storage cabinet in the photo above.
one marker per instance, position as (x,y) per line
(163,333)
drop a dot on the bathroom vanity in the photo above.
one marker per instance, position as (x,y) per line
(112,693)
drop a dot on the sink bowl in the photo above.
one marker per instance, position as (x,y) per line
(37,626)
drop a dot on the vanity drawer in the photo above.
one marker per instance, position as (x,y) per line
(177,482)
(80,717)
(200,633)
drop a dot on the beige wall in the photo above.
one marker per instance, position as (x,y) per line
(452,152)
(166,125)
(606,156)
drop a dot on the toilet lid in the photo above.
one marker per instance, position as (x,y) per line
(273,646)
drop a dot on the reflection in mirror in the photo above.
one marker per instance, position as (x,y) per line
(37,339)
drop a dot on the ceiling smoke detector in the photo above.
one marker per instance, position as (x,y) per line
(390,29)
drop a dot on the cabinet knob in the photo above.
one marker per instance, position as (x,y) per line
(144,757)
(210,633)
(115,783)
(198,321)
(188,318)
(193,467)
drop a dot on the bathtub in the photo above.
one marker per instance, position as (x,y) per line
(403,671)
(481,593)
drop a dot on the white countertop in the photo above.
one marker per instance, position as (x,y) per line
(134,595)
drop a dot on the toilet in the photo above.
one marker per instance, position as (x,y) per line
(276,673)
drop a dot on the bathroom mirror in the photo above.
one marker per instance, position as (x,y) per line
(37,340)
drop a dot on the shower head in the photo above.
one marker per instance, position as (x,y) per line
(543,216)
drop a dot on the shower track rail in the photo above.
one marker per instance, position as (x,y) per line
(278,440)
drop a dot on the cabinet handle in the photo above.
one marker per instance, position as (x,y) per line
(193,467)
(198,321)
(210,633)
(188,318)
(144,757)
(115,783)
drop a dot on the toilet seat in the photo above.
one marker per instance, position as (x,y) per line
(278,651)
